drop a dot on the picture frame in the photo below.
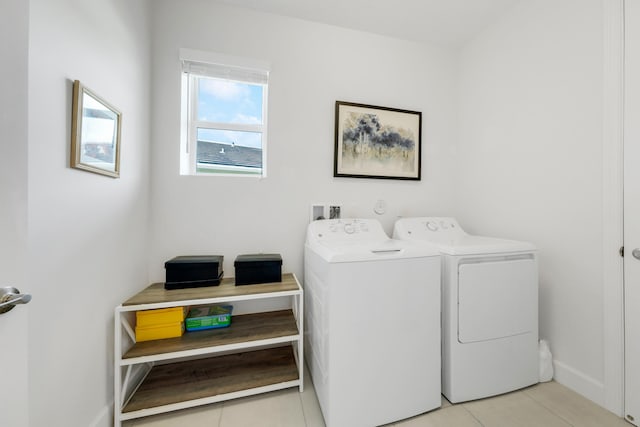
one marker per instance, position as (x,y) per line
(377,142)
(95,133)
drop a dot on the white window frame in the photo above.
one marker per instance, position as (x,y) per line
(197,64)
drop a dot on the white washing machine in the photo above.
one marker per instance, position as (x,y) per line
(489,309)
(372,323)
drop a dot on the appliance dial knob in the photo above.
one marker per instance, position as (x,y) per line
(432,226)
(349,228)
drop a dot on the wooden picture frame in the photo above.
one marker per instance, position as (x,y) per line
(95,133)
(377,142)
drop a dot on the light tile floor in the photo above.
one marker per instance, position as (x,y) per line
(545,405)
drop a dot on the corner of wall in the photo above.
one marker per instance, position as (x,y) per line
(579,382)
(104,418)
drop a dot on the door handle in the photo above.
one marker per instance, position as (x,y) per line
(636,253)
(10,296)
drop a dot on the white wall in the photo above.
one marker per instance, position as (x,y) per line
(529,164)
(87,233)
(313,65)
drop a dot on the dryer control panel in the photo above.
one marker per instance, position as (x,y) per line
(441,224)
(433,229)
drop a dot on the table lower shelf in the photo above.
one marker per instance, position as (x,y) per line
(204,378)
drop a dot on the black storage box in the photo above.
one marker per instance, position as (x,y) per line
(258,268)
(193,271)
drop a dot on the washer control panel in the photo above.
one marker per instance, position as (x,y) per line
(351,229)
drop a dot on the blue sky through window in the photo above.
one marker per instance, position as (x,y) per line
(225,101)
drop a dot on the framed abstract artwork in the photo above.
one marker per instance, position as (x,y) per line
(377,142)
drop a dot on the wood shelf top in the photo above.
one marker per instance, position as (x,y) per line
(202,378)
(156,293)
(243,328)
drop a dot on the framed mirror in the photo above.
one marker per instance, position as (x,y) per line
(95,133)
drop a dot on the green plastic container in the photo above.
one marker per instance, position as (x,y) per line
(208,317)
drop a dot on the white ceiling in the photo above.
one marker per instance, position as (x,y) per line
(447,22)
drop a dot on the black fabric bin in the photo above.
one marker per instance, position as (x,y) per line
(258,268)
(193,271)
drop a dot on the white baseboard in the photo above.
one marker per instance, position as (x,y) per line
(579,382)
(103,419)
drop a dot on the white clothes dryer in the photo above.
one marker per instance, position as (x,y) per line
(372,323)
(489,308)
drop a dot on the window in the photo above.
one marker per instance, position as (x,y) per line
(224,115)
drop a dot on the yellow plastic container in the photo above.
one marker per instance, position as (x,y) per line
(158,332)
(160,316)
